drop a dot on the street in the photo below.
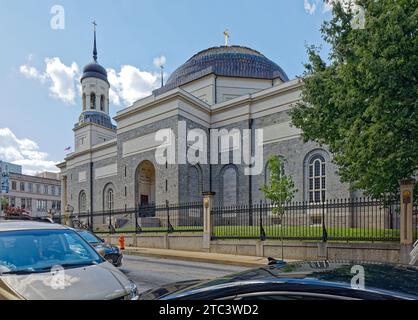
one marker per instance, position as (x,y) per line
(151,272)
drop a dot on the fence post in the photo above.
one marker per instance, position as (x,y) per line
(407,200)
(207,221)
(110,221)
(90,220)
(324,227)
(136,219)
(170,228)
(406,232)
(262,231)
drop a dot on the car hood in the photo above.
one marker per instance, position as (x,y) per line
(98,282)
(155,294)
(396,281)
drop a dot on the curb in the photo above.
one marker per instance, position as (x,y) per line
(249,264)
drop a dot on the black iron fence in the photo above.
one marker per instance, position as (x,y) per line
(343,220)
(335,220)
(415,220)
(167,218)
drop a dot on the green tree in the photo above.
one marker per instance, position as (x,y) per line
(363,103)
(3,203)
(279,190)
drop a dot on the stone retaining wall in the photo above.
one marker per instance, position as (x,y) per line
(293,250)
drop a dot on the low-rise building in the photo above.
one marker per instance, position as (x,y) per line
(38,195)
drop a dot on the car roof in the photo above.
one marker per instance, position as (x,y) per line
(388,279)
(19,225)
(83,230)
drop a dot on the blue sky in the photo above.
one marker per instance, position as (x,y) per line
(39,98)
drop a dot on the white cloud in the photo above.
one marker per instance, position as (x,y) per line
(131,84)
(24,152)
(310,7)
(31,73)
(346,4)
(61,78)
(126,86)
(114,87)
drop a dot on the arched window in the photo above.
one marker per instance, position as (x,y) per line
(92,101)
(229,186)
(82,202)
(102,102)
(267,174)
(317,179)
(109,199)
(195,184)
(84,101)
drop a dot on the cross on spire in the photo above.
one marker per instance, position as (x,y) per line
(227,36)
(94,48)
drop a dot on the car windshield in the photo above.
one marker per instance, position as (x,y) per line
(89,237)
(30,251)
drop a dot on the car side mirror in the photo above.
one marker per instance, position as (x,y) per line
(101,251)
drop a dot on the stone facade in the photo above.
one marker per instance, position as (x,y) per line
(126,163)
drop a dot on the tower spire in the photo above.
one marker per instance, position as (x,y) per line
(94,48)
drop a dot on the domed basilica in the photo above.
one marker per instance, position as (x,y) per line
(114,165)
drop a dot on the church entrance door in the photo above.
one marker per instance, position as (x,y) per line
(145,183)
(144,200)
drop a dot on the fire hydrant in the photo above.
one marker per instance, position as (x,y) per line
(122,242)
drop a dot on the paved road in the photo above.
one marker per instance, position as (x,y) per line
(150,272)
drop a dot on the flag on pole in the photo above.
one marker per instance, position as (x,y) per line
(67,149)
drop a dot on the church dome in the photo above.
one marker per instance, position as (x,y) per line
(94,70)
(231,61)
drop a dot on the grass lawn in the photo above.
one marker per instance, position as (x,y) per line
(150,230)
(300,232)
(274,232)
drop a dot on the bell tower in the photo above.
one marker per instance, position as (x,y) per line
(94,125)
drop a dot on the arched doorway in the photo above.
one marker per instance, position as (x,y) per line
(145,183)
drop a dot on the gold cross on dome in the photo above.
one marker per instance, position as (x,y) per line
(227,36)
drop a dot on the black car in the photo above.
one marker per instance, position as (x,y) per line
(321,280)
(111,253)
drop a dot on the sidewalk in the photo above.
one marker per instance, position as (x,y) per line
(247,261)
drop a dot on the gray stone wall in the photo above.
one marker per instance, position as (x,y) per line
(296,154)
(100,184)
(74,187)
(218,171)
(163,173)
(193,179)
(185,183)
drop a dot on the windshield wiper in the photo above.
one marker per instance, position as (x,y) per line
(74,265)
(48,269)
(22,272)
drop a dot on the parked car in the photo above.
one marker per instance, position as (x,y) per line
(38,260)
(301,281)
(111,253)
